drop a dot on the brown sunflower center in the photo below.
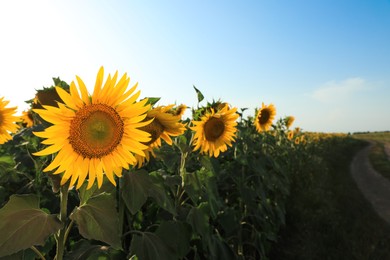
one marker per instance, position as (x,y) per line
(96,130)
(265,114)
(155,129)
(214,128)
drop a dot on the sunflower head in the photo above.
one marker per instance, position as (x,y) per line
(8,121)
(264,117)
(46,97)
(215,130)
(163,125)
(179,110)
(96,135)
(289,120)
(27,118)
(290,135)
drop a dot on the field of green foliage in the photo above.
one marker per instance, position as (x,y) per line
(252,188)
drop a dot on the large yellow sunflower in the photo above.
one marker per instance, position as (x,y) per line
(166,123)
(7,121)
(215,130)
(94,136)
(264,117)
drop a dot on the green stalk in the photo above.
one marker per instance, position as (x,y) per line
(38,253)
(63,218)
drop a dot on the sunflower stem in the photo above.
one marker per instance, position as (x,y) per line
(182,169)
(33,248)
(63,217)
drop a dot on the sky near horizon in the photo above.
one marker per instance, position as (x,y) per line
(325,62)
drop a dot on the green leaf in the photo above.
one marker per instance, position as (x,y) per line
(200,95)
(98,219)
(84,250)
(23,224)
(148,246)
(135,189)
(198,218)
(160,194)
(219,249)
(176,236)
(85,195)
(153,100)
(6,159)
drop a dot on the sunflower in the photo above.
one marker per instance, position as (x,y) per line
(7,121)
(290,135)
(264,117)
(27,118)
(215,131)
(289,120)
(94,135)
(179,110)
(164,125)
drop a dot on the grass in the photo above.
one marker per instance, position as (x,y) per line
(378,157)
(373,136)
(330,218)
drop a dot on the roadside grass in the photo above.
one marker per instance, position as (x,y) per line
(328,217)
(378,157)
(374,136)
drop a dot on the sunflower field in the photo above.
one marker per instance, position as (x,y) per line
(113,175)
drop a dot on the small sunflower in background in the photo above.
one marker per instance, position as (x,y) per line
(165,122)
(27,118)
(264,117)
(94,135)
(7,121)
(289,120)
(290,135)
(178,110)
(215,130)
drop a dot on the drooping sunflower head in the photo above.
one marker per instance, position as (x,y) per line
(27,118)
(94,135)
(164,124)
(215,131)
(7,121)
(46,97)
(264,117)
(289,120)
(179,110)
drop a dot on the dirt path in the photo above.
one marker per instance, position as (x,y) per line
(374,187)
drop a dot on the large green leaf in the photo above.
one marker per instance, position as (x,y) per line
(176,236)
(148,246)
(23,224)
(85,250)
(198,218)
(135,189)
(160,194)
(98,219)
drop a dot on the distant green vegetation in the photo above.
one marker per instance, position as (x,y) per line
(374,136)
(328,217)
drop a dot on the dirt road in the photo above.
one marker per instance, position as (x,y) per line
(374,186)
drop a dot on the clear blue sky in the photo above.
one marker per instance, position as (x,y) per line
(326,62)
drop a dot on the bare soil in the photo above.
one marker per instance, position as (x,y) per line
(373,185)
